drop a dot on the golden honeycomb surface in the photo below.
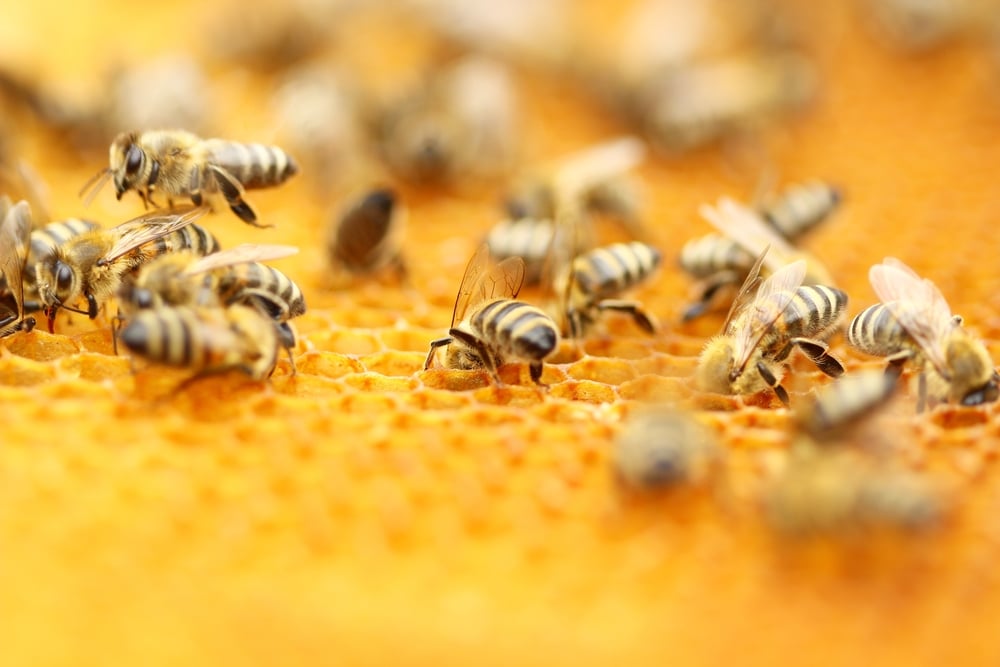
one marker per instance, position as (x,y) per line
(365,511)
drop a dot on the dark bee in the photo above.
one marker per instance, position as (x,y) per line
(367,236)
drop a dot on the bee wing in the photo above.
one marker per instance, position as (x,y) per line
(744,226)
(584,170)
(149,227)
(483,281)
(241,254)
(748,290)
(918,305)
(772,298)
(15,236)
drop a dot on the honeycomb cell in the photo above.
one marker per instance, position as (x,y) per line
(585,391)
(599,369)
(328,364)
(346,341)
(375,382)
(393,363)
(655,388)
(41,346)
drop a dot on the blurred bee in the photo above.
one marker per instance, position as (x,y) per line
(205,340)
(527,238)
(181,164)
(922,25)
(367,236)
(914,323)
(661,449)
(596,278)
(768,319)
(489,327)
(93,264)
(15,233)
(462,122)
(845,402)
(723,261)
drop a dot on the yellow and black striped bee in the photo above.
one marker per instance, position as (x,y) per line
(15,234)
(93,264)
(768,319)
(914,323)
(205,340)
(489,327)
(844,403)
(181,164)
(367,236)
(527,238)
(724,260)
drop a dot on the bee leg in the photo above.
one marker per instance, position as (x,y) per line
(575,322)
(818,352)
(194,186)
(116,326)
(715,283)
(435,344)
(481,351)
(286,338)
(772,382)
(232,190)
(535,371)
(632,308)
(895,365)
(92,306)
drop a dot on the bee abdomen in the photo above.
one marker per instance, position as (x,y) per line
(170,336)
(814,309)
(46,239)
(609,270)
(710,254)
(527,238)
(253,165)
(249,283)
(801,207)
(360,237)
(876,332)
(193,237)
(517,328)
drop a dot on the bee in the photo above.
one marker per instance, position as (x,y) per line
(767,320)
(845,402)
(489,327)
(921,25)
(914,323)
(205,340)
(723,261)
(527,238)
(93,264)
(15,232)
(596,279)
(366,237)
(661,449)
(181,164)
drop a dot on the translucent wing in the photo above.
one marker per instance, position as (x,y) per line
(150,227)
(241,254)
(15,235)
(917,304)
(744,226)
(771,300)
(584,170)
(483,281)
(748,290)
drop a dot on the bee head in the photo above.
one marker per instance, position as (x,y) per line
(127,160)
(714,372)
(973,378)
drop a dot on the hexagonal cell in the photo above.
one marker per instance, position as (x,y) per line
(374,382)
(586,391)
(94,367)
(16,371)
(655,388)
(41,346)
(424,398)
(953,417)
(394,363)
(346,341)
(600,369)
(328,364)
(670,365)
(409,339)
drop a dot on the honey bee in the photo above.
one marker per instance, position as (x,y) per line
(366,237)
(597,278)
(723,261)
(845,402)
(768,319)
(914,323)
(489,327)
(15,232)
(93,264)
(527,238)
(661,449)
(205,340)
(181,164)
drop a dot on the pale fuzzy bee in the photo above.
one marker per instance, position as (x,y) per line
(489,327)
(93,264)
(845,402)
(461,123)
(914,324)
(768,319)
(205,340)
(367,236)
(722,261)
(659,448)
(15,234)
(597,279)
(181,164)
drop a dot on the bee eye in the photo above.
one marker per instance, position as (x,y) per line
(64,277)
(133,159)
(143,298)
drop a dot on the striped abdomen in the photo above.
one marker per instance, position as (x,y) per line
(877,332)
(711,254)
(262,287)
(527,238)
(253,165)
(363,237)
(193,238)
(609,270)
(46,239)
(813,310)
(515,330)
(801,207)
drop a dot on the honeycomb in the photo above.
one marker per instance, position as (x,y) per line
(307,519)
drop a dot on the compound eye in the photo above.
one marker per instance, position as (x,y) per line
(133,159)
(64,277)
(143,298)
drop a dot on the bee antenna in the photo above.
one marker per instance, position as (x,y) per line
(94,184)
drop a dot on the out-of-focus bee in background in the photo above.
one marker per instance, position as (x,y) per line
(845,404)
(205,340)
(15,235)
(914,324)
(366,237)
(720,262)
(527,238)
(489,327)
(461,123)
(917,26)
(178,163)
(768,319)
(92,265)
(659,448)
